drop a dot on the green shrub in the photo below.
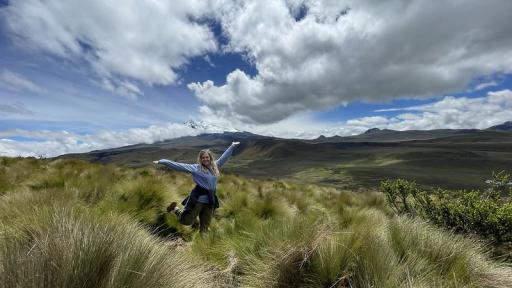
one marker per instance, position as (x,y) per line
(484,213)
(499,186)
(398,194)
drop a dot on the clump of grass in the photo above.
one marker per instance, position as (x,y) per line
(5,181)
(143,197)
(375,264)
(281,251)
(299,199)
(93,183)
(235,204)
(66,247)
(446,257)
(268,206)
(52,179)
(332,262)
(358,255)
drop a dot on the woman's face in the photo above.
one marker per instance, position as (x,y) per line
(205,159)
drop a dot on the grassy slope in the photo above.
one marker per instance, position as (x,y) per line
(66,223)
(366,166)
(463,160)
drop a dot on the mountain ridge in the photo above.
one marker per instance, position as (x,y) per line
(506,126)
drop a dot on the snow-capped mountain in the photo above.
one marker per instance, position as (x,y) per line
(209,127)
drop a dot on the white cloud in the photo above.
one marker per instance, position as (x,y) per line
(343,51)
(53,143)
(16,108)
(456,113)
(486,85)
(137,40)
(16,82)
(447,113)
(124,88)
(339,51)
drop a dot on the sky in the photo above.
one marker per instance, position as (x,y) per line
(77,76)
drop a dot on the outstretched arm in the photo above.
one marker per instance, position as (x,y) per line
(177,165)
(225,156)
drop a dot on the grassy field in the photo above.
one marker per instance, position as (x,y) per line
(68,223)
(366,167)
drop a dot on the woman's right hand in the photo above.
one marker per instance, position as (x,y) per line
(155,162)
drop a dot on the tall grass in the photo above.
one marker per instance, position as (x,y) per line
(343,240)
(75,224)
(67,247)
(454,259)
(143,197)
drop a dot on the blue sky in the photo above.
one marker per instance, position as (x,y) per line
(77,76)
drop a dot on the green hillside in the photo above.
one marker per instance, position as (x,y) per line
(68,223)
(451,159)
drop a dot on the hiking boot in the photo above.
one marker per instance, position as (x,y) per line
(171,207)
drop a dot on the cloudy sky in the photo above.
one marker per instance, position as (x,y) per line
(82,75)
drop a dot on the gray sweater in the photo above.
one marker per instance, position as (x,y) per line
(206,180)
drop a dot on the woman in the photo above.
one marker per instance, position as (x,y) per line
(202,200)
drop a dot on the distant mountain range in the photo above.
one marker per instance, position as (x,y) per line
(453,158)
(371,135)
(387,135)
(507,126)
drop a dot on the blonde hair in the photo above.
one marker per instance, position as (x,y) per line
(213,165)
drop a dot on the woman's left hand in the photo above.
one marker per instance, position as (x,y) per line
(235,143)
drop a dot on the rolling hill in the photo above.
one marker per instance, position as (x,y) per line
(445,158)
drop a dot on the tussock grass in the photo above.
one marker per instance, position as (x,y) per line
(452,258)
(143,197)
(6,183)
(67,247)
(72,223)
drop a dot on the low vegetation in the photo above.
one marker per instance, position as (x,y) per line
(486,213)
(68,223)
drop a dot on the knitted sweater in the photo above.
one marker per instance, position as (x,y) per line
(206,180)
